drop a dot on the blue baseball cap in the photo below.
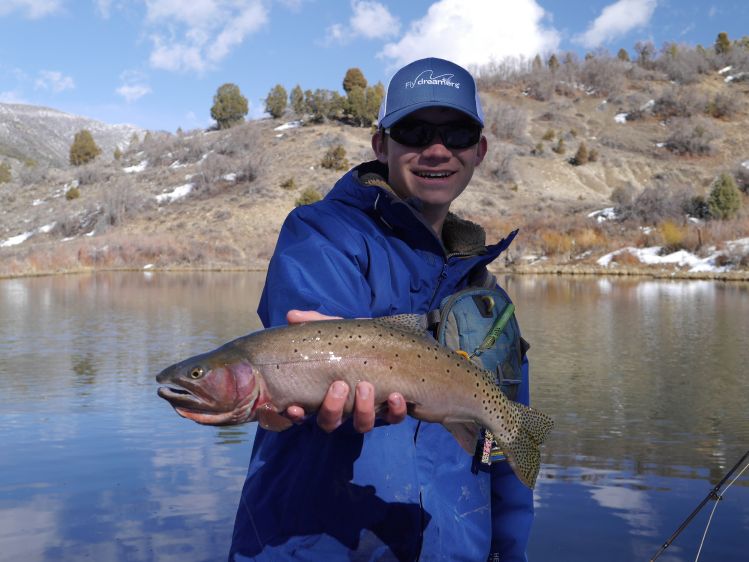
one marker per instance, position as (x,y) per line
(430,82)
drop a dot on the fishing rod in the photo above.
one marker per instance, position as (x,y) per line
(712,495)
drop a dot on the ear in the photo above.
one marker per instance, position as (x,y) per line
(379,146)
(483,146)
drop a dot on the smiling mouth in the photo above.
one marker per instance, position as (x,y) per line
(433,175)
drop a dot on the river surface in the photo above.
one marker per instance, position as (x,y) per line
(647,381)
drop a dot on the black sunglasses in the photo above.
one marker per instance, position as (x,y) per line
(420,133)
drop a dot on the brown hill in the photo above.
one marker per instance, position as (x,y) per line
(243,181)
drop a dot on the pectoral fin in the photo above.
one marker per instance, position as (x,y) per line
(272,420)
(465,432)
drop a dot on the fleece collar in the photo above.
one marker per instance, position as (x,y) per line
(459,236)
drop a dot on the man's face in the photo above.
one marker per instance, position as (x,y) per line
(434,174)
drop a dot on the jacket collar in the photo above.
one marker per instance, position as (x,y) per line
(366,188)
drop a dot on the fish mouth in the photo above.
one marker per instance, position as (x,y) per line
(182,398)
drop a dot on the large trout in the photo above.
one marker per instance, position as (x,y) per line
(256,377)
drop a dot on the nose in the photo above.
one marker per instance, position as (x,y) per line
(436,149)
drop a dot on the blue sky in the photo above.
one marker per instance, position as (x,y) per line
(157,63)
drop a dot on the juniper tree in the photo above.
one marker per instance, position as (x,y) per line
(83,149)
(354,77)
(722,43)
(724,200)
(229,106)
(296,99)
(553,63)
(623,55)
(275,103)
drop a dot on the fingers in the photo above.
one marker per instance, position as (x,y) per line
(295,414)
(364,409)
(330,415)
(298,316)
(396,410)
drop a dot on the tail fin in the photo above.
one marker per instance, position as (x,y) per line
(523,453)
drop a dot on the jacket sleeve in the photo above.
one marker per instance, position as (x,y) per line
(512,503)
(318,265)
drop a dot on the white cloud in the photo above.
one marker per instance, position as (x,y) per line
(133,92)
(369,19)
(615,21)
(373,20)
(475,32)
(198,34)
(53,80)
(33,9)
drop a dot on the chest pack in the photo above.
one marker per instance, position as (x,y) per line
(479,323)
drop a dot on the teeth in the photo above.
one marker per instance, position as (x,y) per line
(433,174)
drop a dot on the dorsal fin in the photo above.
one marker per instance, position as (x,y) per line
(411,323)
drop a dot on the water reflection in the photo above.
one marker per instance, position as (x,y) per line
(646,381)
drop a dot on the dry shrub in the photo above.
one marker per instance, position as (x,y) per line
(679,101)
(499,163)
(682,63)
(673,235)
(506,122)
(587,239)
(723,105)
(212,168)
(119,202)
(692,137)
(656,204)
(604,75)
(626,258)
(554,243)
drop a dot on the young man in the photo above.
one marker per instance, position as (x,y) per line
(382,242)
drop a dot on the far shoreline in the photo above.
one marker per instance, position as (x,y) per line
(565,270)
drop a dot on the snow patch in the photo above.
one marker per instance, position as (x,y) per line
(653,255)
(177,193)
(289,125)
(609,213)
(621,117)
(15,240)
(137,168)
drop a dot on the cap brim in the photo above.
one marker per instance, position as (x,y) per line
(396,116)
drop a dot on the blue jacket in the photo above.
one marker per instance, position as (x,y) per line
(399,492)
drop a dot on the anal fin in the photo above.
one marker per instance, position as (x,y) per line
(466,433)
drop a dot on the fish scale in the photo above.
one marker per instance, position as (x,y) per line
(295,365)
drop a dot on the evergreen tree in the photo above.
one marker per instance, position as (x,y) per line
(275,103)
(354,77)
(623,55)
(722,43)
(83,149)
(117,154)
(296,99)
(229,106)
(553,63)
(356,105)
(537,64)
(724,200)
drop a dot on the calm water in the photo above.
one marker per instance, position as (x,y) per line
(647,382)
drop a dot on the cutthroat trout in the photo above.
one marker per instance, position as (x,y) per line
(258,376)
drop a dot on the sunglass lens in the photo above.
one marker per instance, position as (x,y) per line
(418,134)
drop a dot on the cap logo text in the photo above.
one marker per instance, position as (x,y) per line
(427,78)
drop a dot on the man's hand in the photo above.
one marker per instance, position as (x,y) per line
(330,414)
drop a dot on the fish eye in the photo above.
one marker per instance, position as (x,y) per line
(196,372)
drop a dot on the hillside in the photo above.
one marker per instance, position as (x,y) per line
(42,135)
(216,199)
